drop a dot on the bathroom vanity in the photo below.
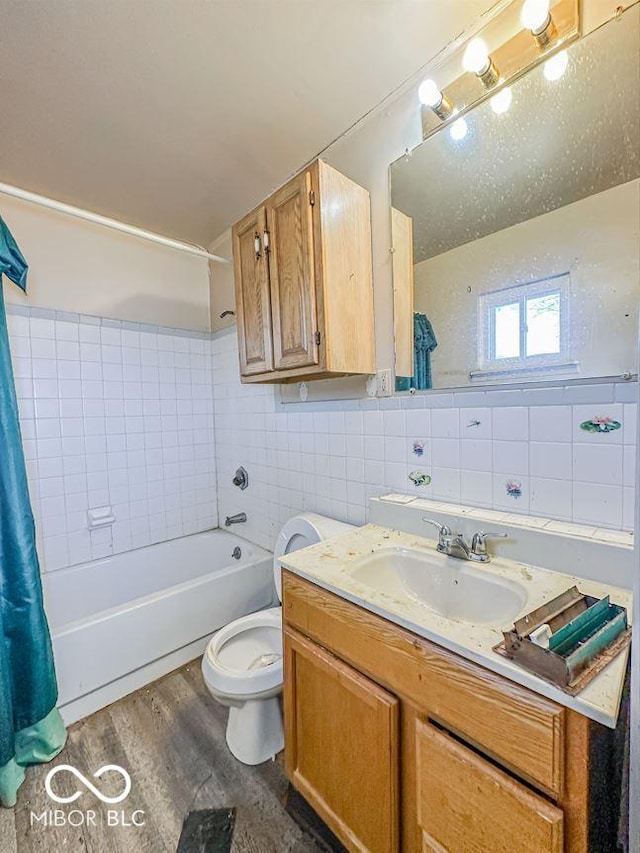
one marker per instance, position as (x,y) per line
(404,734)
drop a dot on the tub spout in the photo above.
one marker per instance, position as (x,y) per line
(239,518)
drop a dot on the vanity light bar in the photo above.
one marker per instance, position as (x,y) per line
(476,60)
(536,18)
(537,36)
(431,96)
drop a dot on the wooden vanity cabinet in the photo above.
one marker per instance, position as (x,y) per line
(400,745)
(342,745)
(303,281)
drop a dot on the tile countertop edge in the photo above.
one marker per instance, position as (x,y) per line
(604,711)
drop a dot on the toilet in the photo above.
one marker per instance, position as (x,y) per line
(242,666)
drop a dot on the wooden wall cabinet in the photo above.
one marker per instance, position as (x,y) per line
(400,745)
(303,281)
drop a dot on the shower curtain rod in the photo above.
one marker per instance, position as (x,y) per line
(97,219)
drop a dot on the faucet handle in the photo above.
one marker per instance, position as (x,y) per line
(479,543)
(443,530)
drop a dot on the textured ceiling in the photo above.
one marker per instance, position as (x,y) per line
(559,142)
(179,115)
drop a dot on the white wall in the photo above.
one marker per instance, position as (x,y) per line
(222,286)
(595,240)
(89,269)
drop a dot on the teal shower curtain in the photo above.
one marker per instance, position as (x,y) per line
(31,729)
(424,343)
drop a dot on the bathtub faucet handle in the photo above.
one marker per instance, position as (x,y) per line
(241,478)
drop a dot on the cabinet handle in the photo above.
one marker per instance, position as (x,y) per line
(257,246)
(265,241)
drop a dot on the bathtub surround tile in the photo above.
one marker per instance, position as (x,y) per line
(74,424)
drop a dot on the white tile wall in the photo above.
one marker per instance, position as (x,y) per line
(120,414)
(331,457)
(113,414)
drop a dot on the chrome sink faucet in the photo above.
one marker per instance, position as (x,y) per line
(454,544)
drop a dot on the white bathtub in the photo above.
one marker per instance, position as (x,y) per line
(123,621)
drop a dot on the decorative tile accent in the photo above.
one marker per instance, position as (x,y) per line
(514,488)
(600,425)
(419,478)
(418,448)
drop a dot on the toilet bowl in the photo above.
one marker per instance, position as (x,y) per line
(242,666)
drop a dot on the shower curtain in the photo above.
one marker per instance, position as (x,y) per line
(424,343)
(31,729)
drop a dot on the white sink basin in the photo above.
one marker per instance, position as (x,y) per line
(450,587)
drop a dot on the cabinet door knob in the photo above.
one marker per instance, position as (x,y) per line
(257,245)
(265,240)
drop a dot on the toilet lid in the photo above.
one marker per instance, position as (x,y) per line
(300,532)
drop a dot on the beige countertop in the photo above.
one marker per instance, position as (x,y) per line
(329,565)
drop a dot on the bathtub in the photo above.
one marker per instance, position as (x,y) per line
(121,622)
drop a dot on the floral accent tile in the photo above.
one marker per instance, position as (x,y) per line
(418,448)
(514,488)
(600,424)
(419,478)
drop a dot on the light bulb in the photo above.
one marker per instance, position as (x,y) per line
(535,15)
(458,129)
(429,94)
(476,57)
(501,102)
(555,67)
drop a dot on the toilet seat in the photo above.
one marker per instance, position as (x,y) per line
(234,673)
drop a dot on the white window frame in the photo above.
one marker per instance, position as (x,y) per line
(487,304)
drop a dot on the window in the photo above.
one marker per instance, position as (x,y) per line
(525,327)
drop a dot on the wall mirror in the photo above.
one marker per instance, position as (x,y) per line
(516,244)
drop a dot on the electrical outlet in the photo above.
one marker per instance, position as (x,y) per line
(384,383)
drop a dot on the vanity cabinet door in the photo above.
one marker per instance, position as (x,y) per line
(293,285)
(467,805)
(342,745)
(253,303)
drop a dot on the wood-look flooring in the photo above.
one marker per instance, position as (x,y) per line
(170,737)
